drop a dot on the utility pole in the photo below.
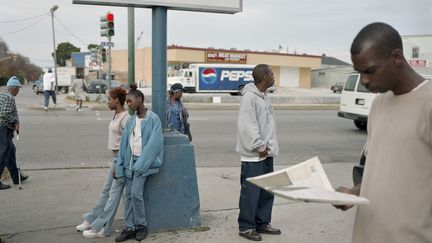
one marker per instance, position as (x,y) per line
(54,8)
(131,46)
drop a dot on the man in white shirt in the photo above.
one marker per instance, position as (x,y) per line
(49,88)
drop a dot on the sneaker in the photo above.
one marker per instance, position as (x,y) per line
(45,108)
(84,226)
(77,107)
(126,234)
(251,234)
(141,233)
(91,233)
(268,229)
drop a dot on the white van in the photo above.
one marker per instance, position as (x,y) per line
(356,101)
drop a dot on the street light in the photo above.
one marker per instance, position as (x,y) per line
(54,8)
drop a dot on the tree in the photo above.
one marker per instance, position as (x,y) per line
(91,46)
(12,64)
(64,52)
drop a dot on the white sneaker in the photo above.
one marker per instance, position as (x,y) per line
(45,108)
(84,226)
(91,233)
(77,107)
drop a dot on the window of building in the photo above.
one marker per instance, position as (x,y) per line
(321,73)
(415,52)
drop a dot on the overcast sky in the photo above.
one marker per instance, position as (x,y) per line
(305,26)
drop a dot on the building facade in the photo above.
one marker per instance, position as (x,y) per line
(290,70)
(418,52)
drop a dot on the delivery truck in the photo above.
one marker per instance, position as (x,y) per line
(220,78)
(64,78)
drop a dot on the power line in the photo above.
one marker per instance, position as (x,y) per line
(19,20)
(70,32)
(18,30)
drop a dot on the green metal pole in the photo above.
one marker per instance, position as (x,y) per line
(131,46)
(109,65)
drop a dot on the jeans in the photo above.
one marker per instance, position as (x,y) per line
(7,153)
(256,204)
(134,213)
(47,94)
(104,212)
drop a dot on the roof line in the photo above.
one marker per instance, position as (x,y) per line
(240,51)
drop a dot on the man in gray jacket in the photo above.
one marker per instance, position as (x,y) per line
(257,144)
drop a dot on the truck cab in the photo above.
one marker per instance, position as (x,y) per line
(186,77)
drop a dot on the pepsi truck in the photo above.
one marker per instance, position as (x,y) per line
(217,78)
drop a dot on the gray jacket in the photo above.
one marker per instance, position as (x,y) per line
(256,124)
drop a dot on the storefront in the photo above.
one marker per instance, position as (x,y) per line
(290,70)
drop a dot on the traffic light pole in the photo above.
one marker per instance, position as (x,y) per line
(109,65)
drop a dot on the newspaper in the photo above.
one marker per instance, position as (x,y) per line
(307,182)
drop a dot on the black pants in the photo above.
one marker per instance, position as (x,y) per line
(7,153)
(256,204)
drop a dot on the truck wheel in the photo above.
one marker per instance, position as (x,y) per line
(360,125)
(64,90)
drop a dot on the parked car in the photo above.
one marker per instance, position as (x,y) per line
(96,84)
(37,86)
(337,87)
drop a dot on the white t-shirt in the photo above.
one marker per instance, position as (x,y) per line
(135,138)
(48,81)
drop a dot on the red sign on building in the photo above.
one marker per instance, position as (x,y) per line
(417,63)
(225,57)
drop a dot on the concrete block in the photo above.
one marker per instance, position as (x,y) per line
(171,197)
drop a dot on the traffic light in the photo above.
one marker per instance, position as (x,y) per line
(93,54)
(107,25)
(103,55)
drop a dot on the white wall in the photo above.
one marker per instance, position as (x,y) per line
(424,42)
(289,77)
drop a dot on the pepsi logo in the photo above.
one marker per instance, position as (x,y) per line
(208,75)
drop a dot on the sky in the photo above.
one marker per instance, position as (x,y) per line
(313,27)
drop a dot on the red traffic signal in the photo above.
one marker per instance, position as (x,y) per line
(107,25)
(109,17)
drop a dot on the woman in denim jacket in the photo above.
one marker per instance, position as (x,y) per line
(140,155)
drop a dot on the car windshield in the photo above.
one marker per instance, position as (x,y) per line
(179,73)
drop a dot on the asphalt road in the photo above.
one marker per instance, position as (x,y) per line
(70,139)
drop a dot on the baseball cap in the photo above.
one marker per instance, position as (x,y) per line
(177,86)
(13,82)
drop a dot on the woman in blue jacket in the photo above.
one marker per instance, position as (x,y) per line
(140,155)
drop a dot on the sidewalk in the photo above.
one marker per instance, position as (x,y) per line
(52,202)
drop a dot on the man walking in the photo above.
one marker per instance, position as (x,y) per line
(78,87)
(9,123)
(397,178)
(49,88)
(257,144)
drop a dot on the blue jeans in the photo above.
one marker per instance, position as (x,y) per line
(134,213)
(256,204)
(104,212)
(7,153)
(47,94)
